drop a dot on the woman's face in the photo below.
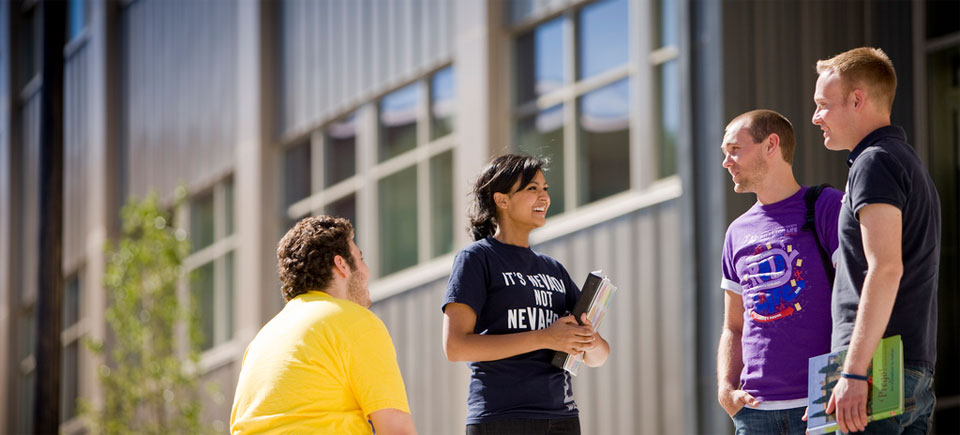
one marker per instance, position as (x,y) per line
(526,207)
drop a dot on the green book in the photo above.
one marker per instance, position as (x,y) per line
(885,394)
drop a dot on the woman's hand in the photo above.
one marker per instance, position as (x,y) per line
(566,335)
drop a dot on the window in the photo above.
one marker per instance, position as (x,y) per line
(210,265)
(665,60)
(70,340)
(407,184)
(77,20)
(577,116)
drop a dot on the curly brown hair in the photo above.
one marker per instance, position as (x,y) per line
(305,254)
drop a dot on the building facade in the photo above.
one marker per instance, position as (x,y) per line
(382,111)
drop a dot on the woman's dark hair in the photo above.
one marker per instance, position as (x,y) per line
(305,254)
(498,177)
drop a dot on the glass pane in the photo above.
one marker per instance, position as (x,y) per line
(29,39)
(398,121)
(604,145)
(398,221)
(603,37)
(540,61)
(27,394)
(78,18)
(296,173)
(203,296)
(943,17)
(201,221)
(669,117)
(340,155)
(345,207)
(229,304)
(442,93)
(441,203)
(230,207)
(68,382)
(28,333)
(71,302)
(668,23)
(542,135)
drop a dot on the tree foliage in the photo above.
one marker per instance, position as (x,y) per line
(149,378)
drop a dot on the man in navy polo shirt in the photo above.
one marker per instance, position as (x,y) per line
(889,233)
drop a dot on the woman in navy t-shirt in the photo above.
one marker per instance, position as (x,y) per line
(506,310)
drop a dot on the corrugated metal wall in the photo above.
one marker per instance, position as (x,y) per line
(179,67)
(771,49)
(638,390)
(75,138)
(340,53)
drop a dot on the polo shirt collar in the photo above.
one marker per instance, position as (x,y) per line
(891,131)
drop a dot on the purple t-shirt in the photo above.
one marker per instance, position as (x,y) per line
(776,267)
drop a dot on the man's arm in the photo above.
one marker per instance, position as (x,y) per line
(392,422)
(730,358)
(881,226)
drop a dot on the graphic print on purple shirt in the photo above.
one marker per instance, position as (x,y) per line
(773,278)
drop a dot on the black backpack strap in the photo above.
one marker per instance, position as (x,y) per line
(810,223)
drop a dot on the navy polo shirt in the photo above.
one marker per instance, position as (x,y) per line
(885,169)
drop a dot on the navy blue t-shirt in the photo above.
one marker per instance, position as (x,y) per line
(514,289)
(885,169)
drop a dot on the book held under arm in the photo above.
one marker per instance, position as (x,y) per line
(594,300)
(884,378)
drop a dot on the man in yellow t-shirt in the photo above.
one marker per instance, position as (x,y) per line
(325,364)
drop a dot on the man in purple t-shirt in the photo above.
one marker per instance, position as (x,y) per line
(777,291)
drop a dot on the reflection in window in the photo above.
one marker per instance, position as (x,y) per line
(78,18)
(202,286)
(229,296)
(230,207)
(603,37)
(398,221)
(296,173)
(29,38)
(441,203)
(71,301)
(669,117)
(542,135)
(668,23)
(27,395)
(68,382)
(398,122)
(540,61)
(442,88)
(201,221)
(340,155)
(604,142)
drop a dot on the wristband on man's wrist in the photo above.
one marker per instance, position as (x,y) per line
(846,375)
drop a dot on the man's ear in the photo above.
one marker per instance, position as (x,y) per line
(340,265)
(773,144)
(859,99)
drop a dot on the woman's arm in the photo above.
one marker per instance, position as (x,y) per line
(461,344)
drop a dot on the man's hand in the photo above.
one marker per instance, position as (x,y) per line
(733,401)
(849,400)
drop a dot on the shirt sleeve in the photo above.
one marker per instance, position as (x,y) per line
(730,279)
(828,214)
(468,281)
(373,372)
(572,290)
(877,178)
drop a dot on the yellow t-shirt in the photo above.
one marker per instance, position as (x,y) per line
(321,365)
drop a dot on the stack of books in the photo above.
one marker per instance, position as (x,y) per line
(594,300)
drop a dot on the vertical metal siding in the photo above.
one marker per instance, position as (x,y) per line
(180,75)
(340,53)
(638,390)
